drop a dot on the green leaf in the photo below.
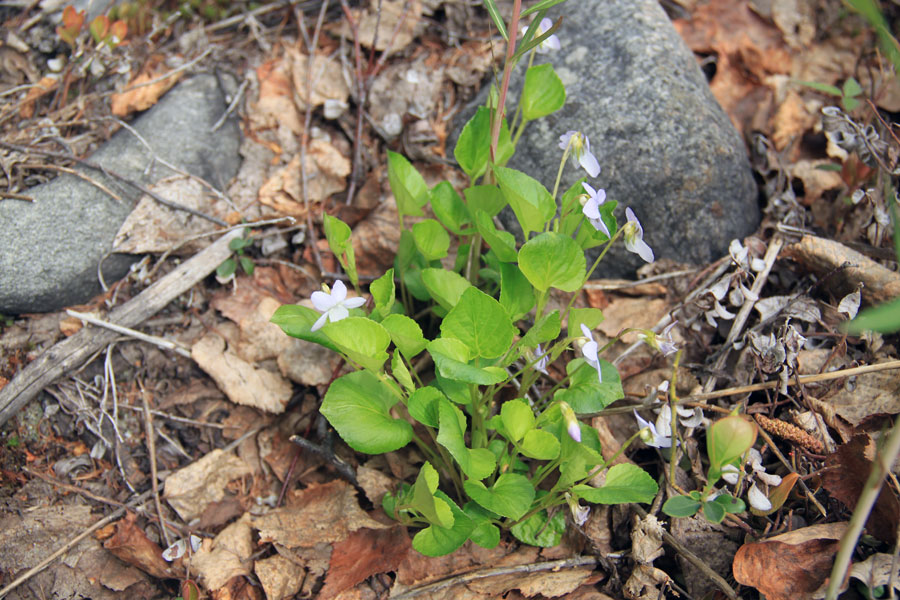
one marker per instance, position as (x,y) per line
(297,321)
(529,199)
(624,483)
(438,541)
(406,334)
(481,323)
(423,405)
(239,243)
(730,503)
(485,533)
(585,394)
(408,185)
(543,92)
(713,512)
(542,5)
(449,208)
(502,243)
(361,340)
(476,464)
(590,317)
(884,318)
(401,373)
(446,287)
(587,236)
(497,18)
(358,407)
(247,264)
(384,292)
(516,293)
(540,444)
(552,260)
(546,329)
(510,496)
(435,510)
(539,530)
(821,87)
(681,506)
(726,441)
(338,235)
(431,239)
(452,361)
(226,269)
(517,418)
(473,150)
(486,198)
(851,88)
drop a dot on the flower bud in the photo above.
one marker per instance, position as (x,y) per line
(572,425)
(580,513)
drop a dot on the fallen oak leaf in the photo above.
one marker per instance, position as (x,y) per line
(143,92)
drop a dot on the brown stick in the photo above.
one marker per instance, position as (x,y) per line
(70,353)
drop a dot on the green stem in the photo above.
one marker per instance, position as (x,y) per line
(880,468)
(479,436)
(673,401)
(559,171)
(473,259)
(593,268)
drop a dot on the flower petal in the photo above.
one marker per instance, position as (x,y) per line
(322,301)
(589,163)
(565,139)
(319,322)
(339,291)
(354,302)
(337,313)
(758,499)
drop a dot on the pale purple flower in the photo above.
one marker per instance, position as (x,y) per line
(634,237)
(551,44)
(591,208)
(661,341)
(589,350)
(543,359)
(334,306)
(580,513)
(572,426)
(652,434)
(580,146)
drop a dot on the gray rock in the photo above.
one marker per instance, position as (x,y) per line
(50,249)
(666,147)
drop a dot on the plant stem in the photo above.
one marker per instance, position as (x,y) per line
(880,468)
(507,71)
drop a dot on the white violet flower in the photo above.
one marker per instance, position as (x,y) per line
(589,350)
(572,426)
(335,305)
(591,208)
(177,550)
(580,147)
(543,359)
(634,237)
(551,44)
(658,434)
(580,513)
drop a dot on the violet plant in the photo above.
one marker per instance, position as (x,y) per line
(440,347)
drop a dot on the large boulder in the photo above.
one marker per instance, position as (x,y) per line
(50,249)
(666,147)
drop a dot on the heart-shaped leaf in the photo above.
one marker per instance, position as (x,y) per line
(480,322)
(405,333)
(552,260)
(438,541)
(476,464)
(431,239)
(529,199)
(624,483)
(408,185)
(540,444)
(518,419)
(510,496)
(543,92)
(362,340)
(445,287)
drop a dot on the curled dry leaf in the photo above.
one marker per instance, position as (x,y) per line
(364,553)
(387,15)
(646,539)
(320,513)
(141,94)
(279,577)
(241,381)
(326,78)
(792,565)
(645,583)
(226,557)
(275,106)
(875,571)
(326,171)
(132,545)
(191,489)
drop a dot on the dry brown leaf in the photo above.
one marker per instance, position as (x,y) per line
(846,475)
(314,559)
(748,49)
(320,513)
(645,583)
(154,228)
(646,539)
(251,309)
(307,363)
(797,21)
(140,94)
(364,553)
(875,571)
(791,120)
(717,545)
(279,577)
(131,545)
(28,538)
(405,88)
(191,489)
(242,382)
(631,312)
(867,395)
(418,569)
(376,238)
(42,87)
(326,78)
(816,181)
(391,14)
(70,326)
(792,565)
(227,556)
(275,106)
(374,483)
(326,172)
(824,256)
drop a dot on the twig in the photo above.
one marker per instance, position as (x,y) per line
(884,458)
(553,565)
(78,174)
(68,546)
(151,449)
(15,196)
(693,558)
(231,105)
(114,175)
(607,285)
(144,337)
(165,415)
